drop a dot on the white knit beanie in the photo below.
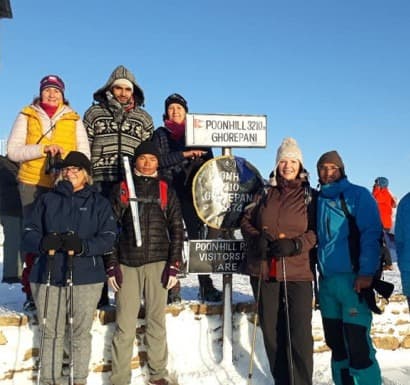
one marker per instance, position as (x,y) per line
(288,149)
(123,82)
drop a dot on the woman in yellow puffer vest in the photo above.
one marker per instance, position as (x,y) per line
(48,126)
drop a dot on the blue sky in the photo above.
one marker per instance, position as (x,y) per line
(334,74)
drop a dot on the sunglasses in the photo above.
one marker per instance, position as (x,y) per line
(328,168)
(73,169)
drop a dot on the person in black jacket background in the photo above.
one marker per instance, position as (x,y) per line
(179,165)
(147,271)
(73,217)
(11,220)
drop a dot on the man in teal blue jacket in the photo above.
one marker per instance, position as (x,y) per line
(346,316)
(402,238)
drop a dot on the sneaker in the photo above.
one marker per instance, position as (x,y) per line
(161,381)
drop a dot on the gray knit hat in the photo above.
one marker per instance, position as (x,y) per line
(332,157)
(120,72)
(288,149)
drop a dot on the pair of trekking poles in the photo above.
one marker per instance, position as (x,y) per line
(287,319)
(50,263)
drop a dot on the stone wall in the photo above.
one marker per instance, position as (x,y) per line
(19,334)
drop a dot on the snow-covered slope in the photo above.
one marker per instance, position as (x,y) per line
(195,343)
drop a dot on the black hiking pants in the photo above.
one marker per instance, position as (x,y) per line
(275,333)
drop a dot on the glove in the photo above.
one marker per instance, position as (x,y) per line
(369,297)
(169,276)
(114,276)
(385,289)
(260,245)
(285,247)
(50,241)
(71,242)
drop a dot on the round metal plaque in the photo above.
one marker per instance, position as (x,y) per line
(222,188)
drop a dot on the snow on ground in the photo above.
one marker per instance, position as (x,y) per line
(195,347)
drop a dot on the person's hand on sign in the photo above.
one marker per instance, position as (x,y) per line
(192,154)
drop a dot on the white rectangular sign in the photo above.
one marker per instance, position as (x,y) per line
(222,130)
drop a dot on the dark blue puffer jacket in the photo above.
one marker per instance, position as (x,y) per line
(85,212)
(176,169)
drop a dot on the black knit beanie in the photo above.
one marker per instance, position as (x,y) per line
(174,98)
(332,157)
(146,148)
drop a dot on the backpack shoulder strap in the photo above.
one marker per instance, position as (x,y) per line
(163,194)
(354,235)
(311,206)
(344,207)
(307,193)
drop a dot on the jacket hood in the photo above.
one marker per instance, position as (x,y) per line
(120,73)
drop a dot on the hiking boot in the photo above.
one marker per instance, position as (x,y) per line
(174,294)
(210,294)
(161,381)
(104,300)
(207,291)
(29,304)
(173,298)
(102,303)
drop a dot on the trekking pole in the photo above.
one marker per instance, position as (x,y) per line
(285,294)
(70,314)
(256,316)
(255,324)
(133,201)
(44,320)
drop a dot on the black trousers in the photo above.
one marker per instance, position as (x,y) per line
(273,323)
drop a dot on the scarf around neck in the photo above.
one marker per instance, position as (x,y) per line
(119,110)
(49,109)
(176,130)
